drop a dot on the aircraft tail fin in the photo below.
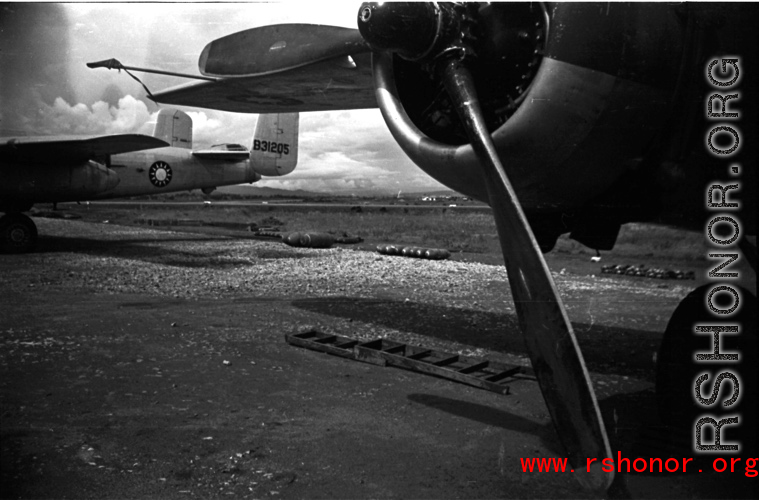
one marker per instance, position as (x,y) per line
(174,127)
(274,150)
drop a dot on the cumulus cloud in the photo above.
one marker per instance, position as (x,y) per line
(216,128)
(340,151)
(100,118)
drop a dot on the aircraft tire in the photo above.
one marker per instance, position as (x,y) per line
(677,368)
(18,233)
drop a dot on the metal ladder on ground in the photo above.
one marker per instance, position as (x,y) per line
(474,371)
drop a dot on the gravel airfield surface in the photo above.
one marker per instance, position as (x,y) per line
(152,364)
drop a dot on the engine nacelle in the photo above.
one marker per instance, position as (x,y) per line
(48,183)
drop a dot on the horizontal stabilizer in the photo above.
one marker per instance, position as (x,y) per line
(215,154)
(68,149)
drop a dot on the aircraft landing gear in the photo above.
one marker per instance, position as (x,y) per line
(18,233)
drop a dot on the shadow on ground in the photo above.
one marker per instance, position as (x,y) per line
(635,432)
(491,416)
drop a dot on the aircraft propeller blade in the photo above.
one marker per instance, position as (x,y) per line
(280,47)
(542,316)
(553,348)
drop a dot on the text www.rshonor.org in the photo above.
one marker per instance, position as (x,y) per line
(732,464)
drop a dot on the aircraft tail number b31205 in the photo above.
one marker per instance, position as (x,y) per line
(272,147)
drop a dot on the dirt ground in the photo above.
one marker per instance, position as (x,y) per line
(107,394)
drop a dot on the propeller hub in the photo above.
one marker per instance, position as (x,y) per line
(500,43)
(409,29)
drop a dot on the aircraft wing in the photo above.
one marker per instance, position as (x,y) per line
(65,149)
(343,82)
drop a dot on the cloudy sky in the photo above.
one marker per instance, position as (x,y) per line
(45,87)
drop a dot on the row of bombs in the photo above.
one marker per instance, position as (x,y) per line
(326,240)
(418,252)
(655,272)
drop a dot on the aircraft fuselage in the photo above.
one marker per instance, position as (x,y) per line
(153,171)
(165,170)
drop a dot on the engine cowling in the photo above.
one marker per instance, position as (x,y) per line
(54,183)
(573,95)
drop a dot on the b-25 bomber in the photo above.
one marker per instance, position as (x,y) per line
(58,169)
